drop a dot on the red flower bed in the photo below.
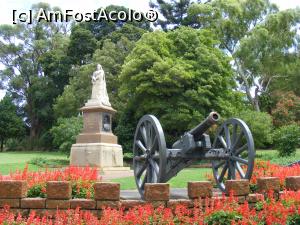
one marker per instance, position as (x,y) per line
(221,211)
(266,169)
(81,178)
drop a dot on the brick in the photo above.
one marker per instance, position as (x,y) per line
(237,187)
(128,204)
(265,184)
(33,203)
(173,203)
(292,183)
(11,202)
(13,189)
(200,189)
(83,203)
(107,191)
(108,204)
(58,190)
(253,198)
(57,204)
(157,192)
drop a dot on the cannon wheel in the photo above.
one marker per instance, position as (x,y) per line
(235,137)
(150,152)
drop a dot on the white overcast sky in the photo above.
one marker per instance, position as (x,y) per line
(7,6)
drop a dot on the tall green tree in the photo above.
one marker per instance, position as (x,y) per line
(11,125)
(179,76)
(22,47)
(82,45)
(267,53)
(257,37)
(174,12)
(100,29)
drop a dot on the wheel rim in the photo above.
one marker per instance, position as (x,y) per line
(149,149)
(235,137)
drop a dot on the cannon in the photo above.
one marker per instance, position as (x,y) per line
(231,153)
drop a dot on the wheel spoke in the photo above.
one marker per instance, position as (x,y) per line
(148,134)
(231,171)
(222,174)
(241,149)
(149,174)
(155,156)
(144,135)
(238,140)
(227,136)
(216,166)
(144,181)
(238,159)
(139,157)
(233,138)
(154,166)
(153,144)
(239,169)
(141,146)
(141,170)
(223,142)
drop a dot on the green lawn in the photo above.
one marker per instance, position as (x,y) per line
(179,181)
(10,161)
(272,155)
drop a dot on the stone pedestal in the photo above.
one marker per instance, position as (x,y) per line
(101,155)
(96,145)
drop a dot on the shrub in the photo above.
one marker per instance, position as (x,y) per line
(45,162)
(260,124)
(287,110)
(286,139)
(37,190)
(65,132)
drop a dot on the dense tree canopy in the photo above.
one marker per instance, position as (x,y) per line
(223,55)
(11,124)
(174,12)
(21,49)
(100,29)
(82,45)
(179,76)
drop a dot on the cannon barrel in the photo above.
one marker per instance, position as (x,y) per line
(200,129)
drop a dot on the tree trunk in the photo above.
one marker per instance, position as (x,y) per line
(256,105)
(34,122)
(256,100)
(2,143)
(253,100)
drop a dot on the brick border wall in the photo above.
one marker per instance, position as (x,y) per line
(107,194)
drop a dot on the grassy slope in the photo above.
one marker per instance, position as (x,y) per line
(10,161)
(179,181)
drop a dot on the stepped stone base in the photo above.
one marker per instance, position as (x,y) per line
(103,155)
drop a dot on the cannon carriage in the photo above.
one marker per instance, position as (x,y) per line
(232,152)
